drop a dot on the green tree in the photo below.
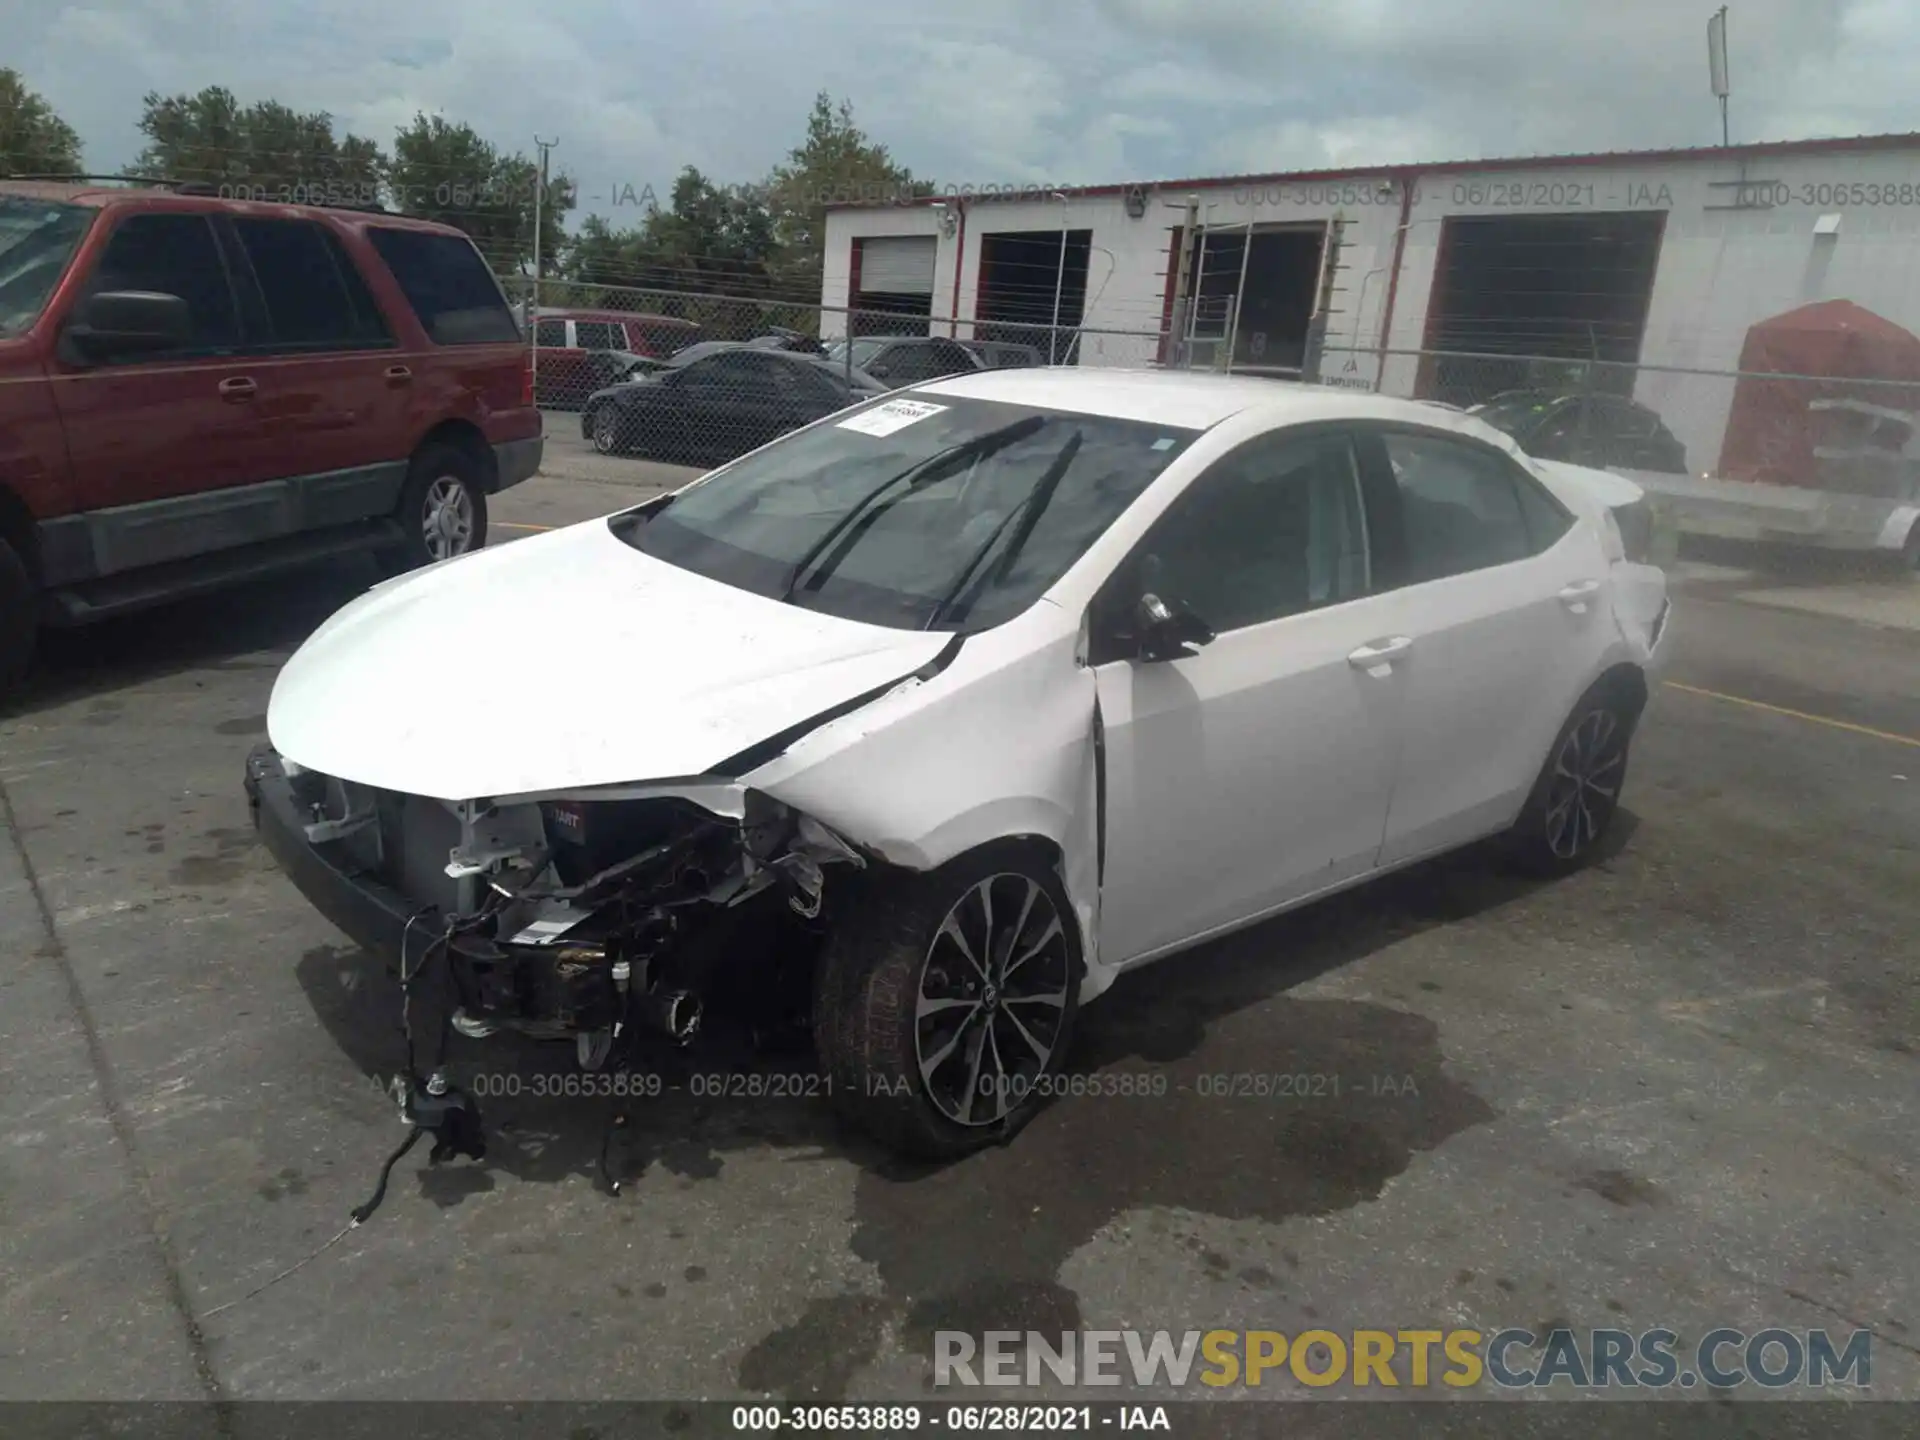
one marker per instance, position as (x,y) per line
(265,149)
(445,171)
(707,239)
(33,139)
(836,164)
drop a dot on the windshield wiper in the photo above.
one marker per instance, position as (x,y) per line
(868,509)
(1031,506)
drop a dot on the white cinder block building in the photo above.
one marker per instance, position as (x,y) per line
(1657,261)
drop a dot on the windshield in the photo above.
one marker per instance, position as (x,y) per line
(36,241)
(951,515)
(863,351)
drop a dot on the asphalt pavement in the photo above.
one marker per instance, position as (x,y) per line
(1678,1089)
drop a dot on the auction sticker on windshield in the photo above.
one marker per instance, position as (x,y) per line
(893,415)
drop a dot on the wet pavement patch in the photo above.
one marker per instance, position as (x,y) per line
(980,1244)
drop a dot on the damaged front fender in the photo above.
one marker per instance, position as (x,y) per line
(1000,744)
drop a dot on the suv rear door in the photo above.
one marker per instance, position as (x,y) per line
(339,394)
(159,427)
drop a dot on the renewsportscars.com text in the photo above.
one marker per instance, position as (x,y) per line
(1722,1359)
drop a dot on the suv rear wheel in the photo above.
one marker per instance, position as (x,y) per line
(18,618)
(443,507)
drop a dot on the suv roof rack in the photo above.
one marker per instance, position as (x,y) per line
(70,178)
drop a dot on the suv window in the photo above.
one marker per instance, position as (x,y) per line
(550,334)
(174,255)
(598,335)
(1274,529)
(314,297)
(1466,507)
(449,286)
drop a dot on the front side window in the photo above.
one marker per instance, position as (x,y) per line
(1275,529)
(954,515)
(1461,505)
(37,241)
(174,255)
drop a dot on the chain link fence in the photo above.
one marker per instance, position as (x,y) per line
(1840,434)
(699,378)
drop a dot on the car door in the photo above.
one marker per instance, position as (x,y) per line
(745,405)
(1259,768)
(340,404)
(1500,602)
(160,427)
(809,392)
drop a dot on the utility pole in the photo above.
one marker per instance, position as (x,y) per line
(1184,265)
(539,210)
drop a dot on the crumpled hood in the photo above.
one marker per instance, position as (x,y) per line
(564,661)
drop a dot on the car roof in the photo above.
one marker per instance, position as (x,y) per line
(1189,400)
(162,197)
(563,312)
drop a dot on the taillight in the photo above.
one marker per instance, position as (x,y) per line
(526,380)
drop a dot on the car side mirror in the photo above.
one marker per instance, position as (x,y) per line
(1167,629)
(118,323)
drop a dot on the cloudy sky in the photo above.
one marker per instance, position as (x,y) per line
(992,91)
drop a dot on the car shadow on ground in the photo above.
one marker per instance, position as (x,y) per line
(215,631)
(684,1113)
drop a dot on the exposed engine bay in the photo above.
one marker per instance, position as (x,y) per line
(602,920)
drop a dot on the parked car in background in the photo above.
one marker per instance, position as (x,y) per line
(718,400)
(611,367)
(196,391)
(1004,355)
(779,337)
(901,360)
(565,338)
(1596,430)
(974,699)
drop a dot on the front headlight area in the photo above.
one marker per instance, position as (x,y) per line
(589,917)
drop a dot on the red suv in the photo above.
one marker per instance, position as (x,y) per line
(196,391)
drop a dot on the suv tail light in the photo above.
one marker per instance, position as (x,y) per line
(526,380)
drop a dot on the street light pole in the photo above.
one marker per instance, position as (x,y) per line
(1059,279)
(533,320)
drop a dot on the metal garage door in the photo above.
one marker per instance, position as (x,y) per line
(897,264)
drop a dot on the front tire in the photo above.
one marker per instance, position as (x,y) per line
(946,1001)
(443,508)
(1572,806)
(609,430)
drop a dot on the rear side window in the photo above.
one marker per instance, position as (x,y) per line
(315,298)
(175,255)
(1461,505)
(449,286)
(599,335)
(550,334)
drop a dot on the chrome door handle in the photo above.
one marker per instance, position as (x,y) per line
(398,375)
(238,387)
(1576,595)
(1377,659)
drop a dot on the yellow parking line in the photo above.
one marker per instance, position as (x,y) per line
(1826,720)
(510,525)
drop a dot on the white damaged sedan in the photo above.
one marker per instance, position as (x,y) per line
(939,714)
